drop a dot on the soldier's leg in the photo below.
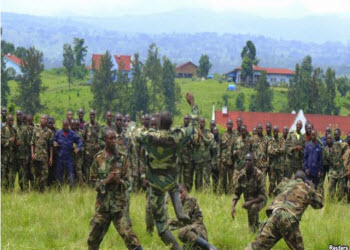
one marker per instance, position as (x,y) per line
(223,179)
(180,168)
(149,216)
(59,170)
(70,171)
(125,230)
(231,182)
(268,235)
(187,235)
(341,188)
(289,229)
(23,174)
(4,176)
(77,166)
(126,210)
(288,171)
(253,215)
(215,177)
(332,182)
(51,177)
(43,175)
(157,198)
(199,169)
(99,226)
(272,180)
(206,175)
(188,176)
(12,171)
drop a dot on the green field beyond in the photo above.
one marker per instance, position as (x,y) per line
(60,220)
(207,92)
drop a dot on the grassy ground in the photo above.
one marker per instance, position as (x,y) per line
(60,220)
(58,101)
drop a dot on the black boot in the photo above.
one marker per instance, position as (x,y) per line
(139,248)
(170,240)
(202,243)
(175,199)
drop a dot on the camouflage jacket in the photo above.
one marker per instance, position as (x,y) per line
(277,153)
(294,196)
(42,142)
(8,149)
(346,159)
(259,149)
(252,187)
(110,197)
(90,138)
(24,141)
(333,157)
(225,150)
(162,148)
(242,147)
(214,151)
(101,133)
(185,157)
(292,141)
(202,145)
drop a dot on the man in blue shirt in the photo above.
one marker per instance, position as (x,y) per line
(63,141)
(313,166)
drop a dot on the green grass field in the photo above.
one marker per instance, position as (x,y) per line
(60,220)
(208,92)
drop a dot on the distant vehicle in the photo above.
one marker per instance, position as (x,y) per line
(210,76)
(231,87)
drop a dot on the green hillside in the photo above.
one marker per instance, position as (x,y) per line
(207,92)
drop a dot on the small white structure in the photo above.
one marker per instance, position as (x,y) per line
(300,116)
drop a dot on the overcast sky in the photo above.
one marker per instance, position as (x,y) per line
(110,8)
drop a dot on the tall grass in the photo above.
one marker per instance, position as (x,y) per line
(60,220)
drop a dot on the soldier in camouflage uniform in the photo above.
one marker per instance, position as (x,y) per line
(225,159)
(78,157)
(333,156)
(195,234)
(30,170)
(239,123)
(250,182)
(110,174)
(162,146)
(52,170)
(285,212)
(90,143)
(81,119)
(9,144)
(214,151)
(186,168)
(201,156)
(242,147)
(42,153)
(346,159)
(103,129)
(295,144)
(259,149)
(277,153)
(3,116)
(22,152)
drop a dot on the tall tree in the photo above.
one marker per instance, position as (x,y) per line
(316,90)
(264,94)
(79,51)
(122,101)
(343,85)
(153,70)
(29,82)
(247,69)
(68,62)
(330,107)
(204,66)
(103,87)
(140,90)
(21,52)
(240,102)
(249,59)
(169,85)
(5,89)
(6,47)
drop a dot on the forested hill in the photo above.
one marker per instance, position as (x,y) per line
(48,34)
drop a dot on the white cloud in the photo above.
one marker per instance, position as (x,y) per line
(270,8)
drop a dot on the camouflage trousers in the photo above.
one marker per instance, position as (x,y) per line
(8,175)
(203,171)
(41,173)
(292,168)
(158,200)
(188,234)
(215,174)
(99,226)
(149,215)
(23,175)
(226,179)
(188,173)
(88,159)
(276,176)
(280,224)
(78,163)
(336,186)
(253,215)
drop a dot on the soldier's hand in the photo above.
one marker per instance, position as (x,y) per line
(18,143)
(190,99)
(319,175)
(348,174)
(55,144)
(307,172)
(33,157)
(144,183)
(76,151)
(233,212)
(50,162)
(246,204)
(111,178)
(12,139)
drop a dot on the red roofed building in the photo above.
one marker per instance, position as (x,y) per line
(13,62)
(122,62)
(186,70)
(251,119)
(274,75)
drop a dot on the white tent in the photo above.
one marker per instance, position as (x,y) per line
(300,116)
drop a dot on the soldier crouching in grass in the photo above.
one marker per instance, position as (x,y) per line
(250,182)
(194,234)
(109,172)
(292,199)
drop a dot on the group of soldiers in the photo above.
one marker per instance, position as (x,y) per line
(118,158)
